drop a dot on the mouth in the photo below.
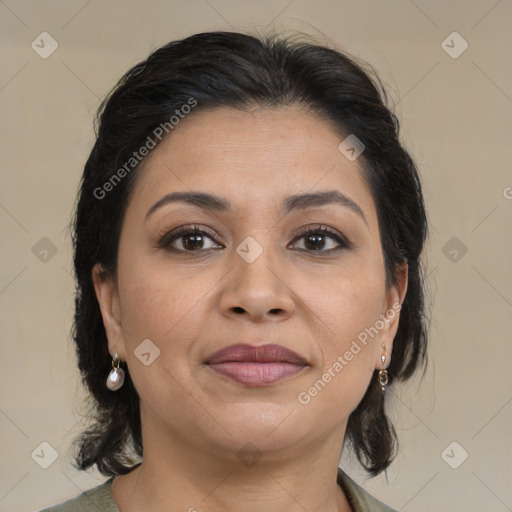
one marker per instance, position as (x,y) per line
(256,366)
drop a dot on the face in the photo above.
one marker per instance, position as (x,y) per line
(287,253)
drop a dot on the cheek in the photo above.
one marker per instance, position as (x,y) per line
(156,305)
(348,346)
(346,305)
(168,306)
(347,339)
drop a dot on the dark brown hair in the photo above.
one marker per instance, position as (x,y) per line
(241,71)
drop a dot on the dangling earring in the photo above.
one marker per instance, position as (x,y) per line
(115,378)
(383,375)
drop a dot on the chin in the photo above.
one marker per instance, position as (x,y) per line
(268,426)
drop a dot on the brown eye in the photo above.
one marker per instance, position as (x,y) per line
(320,239)
(189,239)
(192,241)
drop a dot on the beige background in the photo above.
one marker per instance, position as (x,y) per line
(456,116)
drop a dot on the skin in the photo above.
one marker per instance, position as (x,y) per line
(191,304)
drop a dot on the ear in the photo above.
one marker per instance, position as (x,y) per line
(390,315)
(108,299)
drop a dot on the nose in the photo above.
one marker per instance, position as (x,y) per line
(257,290)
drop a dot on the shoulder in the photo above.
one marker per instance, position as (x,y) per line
(97,499)
(360,499)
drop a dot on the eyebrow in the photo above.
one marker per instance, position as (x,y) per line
(303,201)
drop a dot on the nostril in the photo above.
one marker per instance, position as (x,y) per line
(238,309)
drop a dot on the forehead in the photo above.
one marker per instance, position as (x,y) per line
(253,158)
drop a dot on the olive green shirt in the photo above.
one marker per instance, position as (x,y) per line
(100,499)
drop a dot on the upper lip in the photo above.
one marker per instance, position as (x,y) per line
(268,353)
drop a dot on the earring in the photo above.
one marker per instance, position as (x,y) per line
(383,374)
(383,379)
(115,378)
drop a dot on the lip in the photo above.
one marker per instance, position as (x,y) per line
(256,365)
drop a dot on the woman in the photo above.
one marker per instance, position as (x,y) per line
(247,244)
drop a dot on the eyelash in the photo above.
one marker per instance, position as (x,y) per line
(166,240)
(325,231)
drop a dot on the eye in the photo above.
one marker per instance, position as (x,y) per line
(189,239)
(321,239)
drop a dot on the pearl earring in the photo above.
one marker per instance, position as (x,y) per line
(115,378)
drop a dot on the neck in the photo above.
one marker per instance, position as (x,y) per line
(175,476)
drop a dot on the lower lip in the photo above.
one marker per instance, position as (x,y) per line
(256,374)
